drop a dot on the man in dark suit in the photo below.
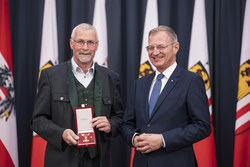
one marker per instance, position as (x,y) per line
(69,85)
(167,110)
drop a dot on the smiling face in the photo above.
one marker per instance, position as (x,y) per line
(82,53)
(160,57)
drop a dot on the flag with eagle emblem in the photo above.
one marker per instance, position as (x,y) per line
(8,135)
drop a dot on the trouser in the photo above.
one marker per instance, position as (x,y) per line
(86,161)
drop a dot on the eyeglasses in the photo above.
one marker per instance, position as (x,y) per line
(151,48)
(80,43)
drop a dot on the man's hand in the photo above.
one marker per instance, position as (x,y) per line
(146,143)
(101,123)
(136,140)
(70,137)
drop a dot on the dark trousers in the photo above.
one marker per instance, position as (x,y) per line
(86,161)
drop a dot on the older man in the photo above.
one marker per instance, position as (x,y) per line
(70,85)
(168,109)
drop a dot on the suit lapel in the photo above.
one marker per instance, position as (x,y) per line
(98,85)
(72,87)
(148,85)
(174,78)
(97,91)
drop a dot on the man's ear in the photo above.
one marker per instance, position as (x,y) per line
(97,45)
(176,47)
(71,43)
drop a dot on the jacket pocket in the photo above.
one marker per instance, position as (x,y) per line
(107,100)
(61,110)
(106,107)
(61,97)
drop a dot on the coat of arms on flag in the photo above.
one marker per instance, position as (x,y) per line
(244,80)
(199,69)
(7,99)
(145,69)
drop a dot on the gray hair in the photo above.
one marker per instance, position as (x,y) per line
(167,29)
(84,26)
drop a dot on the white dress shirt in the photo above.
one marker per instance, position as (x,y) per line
(167,73)
(83,78)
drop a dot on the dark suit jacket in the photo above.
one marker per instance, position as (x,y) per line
(181,115)
(53,112)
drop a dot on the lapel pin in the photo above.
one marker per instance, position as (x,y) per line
(61,98)
(172,80)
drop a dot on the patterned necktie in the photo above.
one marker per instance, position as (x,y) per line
(155,94)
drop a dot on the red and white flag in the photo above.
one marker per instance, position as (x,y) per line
(198,63)
(8,135)
(100,23)
(151,21)
(48,58)
(242,124)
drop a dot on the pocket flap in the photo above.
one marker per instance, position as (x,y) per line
(107,100)
(60,97)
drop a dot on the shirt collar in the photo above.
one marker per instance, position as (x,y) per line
(168,72)
(76,68)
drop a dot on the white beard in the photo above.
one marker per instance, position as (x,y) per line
(84,58)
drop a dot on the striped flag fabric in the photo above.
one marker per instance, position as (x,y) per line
(151,21)
(198,62)
(8,135)
(48,58)
(100,23)
(242,124)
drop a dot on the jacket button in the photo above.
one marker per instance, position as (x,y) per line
(76,153)
(148,125)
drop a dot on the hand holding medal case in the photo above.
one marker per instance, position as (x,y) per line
(83,117)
